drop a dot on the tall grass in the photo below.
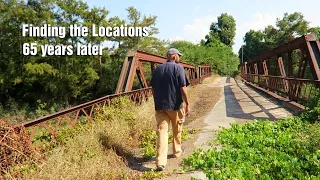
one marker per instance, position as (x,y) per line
(102,149)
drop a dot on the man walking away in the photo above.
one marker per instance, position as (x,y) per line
(169,85)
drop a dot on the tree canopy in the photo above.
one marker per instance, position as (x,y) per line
(224,30)
(287,28)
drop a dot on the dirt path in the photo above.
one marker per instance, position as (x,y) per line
(236,104)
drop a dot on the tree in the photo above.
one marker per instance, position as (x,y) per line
(61,81)
(253,45)
(216,54)
(291,26)
(223,30)
(135,19)
(287,29)
(315,31)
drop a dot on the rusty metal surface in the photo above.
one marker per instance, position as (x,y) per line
(147,57)
(295,44)
(133,66)
(278,76)
(300,90)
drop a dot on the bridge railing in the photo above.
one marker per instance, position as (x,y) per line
(52,123)
(284,69)
(299,90)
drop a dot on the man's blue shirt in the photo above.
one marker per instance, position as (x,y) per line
(167,80)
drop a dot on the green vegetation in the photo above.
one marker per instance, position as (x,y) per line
(284,149)
(216,54)
(33,86)
(224,30)
(27,82)
(149,139)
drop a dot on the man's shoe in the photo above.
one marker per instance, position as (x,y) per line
(179,154)
(160,168)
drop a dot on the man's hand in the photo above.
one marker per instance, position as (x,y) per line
(186,99)
(187,110)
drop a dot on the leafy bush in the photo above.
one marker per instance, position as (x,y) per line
(262,150)
(312,112)
(284,149)
(148,143)
(216,54)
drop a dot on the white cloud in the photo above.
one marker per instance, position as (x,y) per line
(199,27)
(258,22)
(197,30)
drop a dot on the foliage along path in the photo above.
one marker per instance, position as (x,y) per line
(238,104)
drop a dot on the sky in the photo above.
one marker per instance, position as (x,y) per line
(190,21)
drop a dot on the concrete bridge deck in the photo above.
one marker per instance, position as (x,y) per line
(238,104)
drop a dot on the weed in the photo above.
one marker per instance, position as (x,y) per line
(286,149)
(149,139)
(148,143)
(149,175)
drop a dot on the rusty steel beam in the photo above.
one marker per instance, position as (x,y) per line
(255,68)
(265,68)
(297,89)
(283,74)
(290,65)
(79,107)
(132,62)
(314,57)
(145,84)
(123,75)
(294,44)
(147,57)
(135,58)
(131,74)
(71,115)
(307,43)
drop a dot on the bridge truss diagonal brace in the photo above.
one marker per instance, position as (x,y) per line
(313,54)
(133,65)
(283,74)
(125,72)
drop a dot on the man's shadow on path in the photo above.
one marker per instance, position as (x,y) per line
(133,162)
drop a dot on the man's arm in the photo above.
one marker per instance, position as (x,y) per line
(152,84)
(185,95)
(187,80)
(183,81)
